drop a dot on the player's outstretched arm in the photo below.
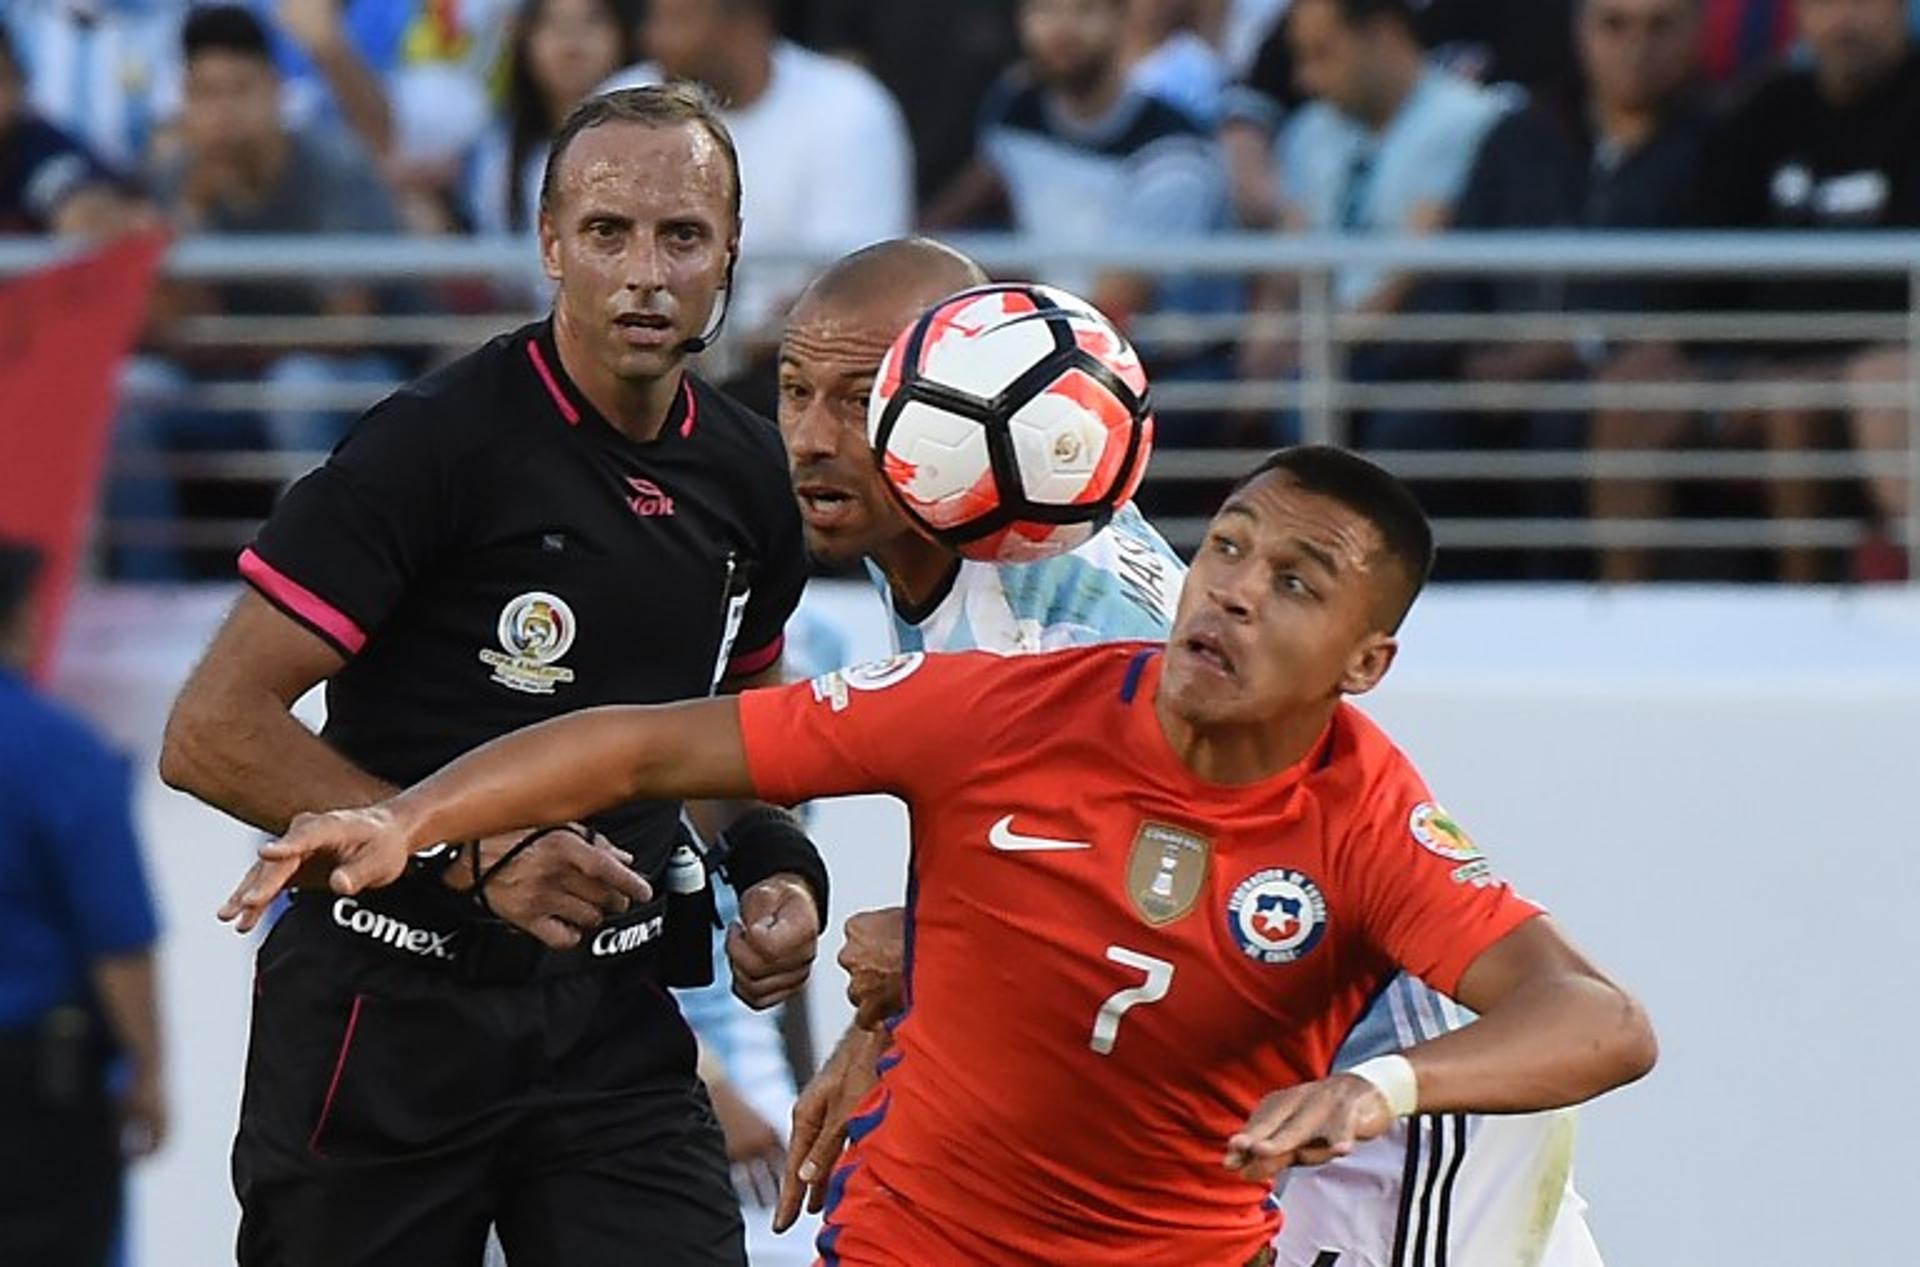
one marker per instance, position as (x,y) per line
(557,771)
(1554,1030)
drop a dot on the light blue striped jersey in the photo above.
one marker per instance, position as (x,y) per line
(747,1043)
(1121,585)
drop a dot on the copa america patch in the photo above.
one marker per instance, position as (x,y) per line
(832,688)
(1277,915)
(535,630)
(1439,832)
(880,674)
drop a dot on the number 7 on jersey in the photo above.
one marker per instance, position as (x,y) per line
(1106,1024)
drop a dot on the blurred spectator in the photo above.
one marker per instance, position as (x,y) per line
(440,87)
(240,170)
(408,78)
(320,48)
(1743,37)
(1627,160)
(824,157)
(1384,147)
(1245,28)
(110,70)
(411,80)
(1084,157)
(559,52)
(937,58)
(1168,57)
(106,72)
(1386,144)
(1253,109)
(1523,42)
(1269,71)
(81,1082)
(1527,43)
(49,182)
(1830,145)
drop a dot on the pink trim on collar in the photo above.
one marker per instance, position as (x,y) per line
(560,401)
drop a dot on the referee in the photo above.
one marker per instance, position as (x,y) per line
(563,519)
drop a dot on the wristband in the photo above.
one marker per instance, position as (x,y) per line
(765,842)
(1394,1078)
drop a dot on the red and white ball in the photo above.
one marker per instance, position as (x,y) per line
(1011,421)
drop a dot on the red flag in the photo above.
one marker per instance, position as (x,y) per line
(63,335)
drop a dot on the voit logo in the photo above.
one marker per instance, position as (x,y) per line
(649,500)
(388,931)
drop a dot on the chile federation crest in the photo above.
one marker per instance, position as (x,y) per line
(1277,915)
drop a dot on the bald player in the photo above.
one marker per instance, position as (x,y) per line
(1120,585)
(1434,1189)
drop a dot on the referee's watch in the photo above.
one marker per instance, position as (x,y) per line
(435,861)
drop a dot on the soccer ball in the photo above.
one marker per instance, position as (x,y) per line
(1011,421)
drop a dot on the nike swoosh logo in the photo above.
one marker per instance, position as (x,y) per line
(1003,837)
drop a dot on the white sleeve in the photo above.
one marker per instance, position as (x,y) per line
(1176,187)
(865,189)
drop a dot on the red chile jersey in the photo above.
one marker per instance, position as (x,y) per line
(1110,961)
(488,551)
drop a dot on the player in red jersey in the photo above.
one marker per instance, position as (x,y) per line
(1151,890)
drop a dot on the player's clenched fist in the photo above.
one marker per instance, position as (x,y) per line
(1308,1125)
(771,946)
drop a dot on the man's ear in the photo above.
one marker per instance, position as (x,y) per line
(549,246)
(1369,663)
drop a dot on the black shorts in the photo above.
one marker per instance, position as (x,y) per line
(392,1113)
(59,1146)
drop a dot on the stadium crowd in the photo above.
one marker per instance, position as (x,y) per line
(1078,119)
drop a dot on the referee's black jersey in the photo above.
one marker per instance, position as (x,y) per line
(488,551)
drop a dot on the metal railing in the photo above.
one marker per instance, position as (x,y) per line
(1323,395)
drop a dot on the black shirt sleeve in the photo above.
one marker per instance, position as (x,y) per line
(47,168)
(776,590)
(1732,184)
(347,541)
(1730,192)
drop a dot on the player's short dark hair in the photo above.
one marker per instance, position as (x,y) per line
(19,566)
(654,106)
(225,28)
(1372,492)
(9,55)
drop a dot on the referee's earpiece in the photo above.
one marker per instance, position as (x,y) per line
(704,340)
